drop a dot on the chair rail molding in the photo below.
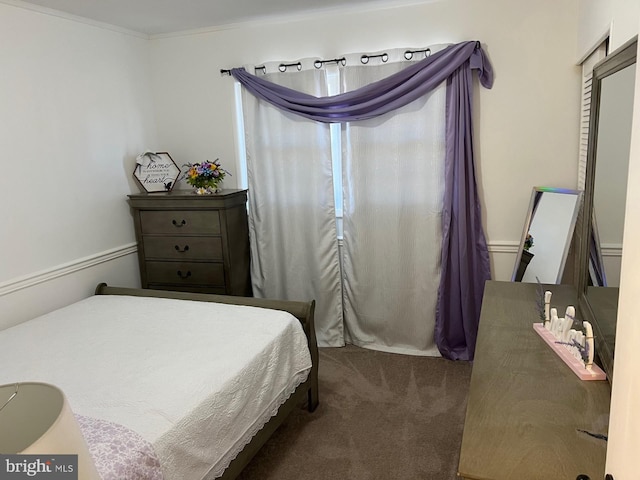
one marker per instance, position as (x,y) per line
(42,276)
(611,250)
(503,246)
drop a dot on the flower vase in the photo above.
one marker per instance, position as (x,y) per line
(207,189)
(525,258)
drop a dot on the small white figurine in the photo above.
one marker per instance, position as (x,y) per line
(589,345)
(547,304)
(553,326)
(567,323)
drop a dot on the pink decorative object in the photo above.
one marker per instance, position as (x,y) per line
(578,367)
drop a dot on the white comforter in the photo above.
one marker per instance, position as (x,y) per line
(197,380)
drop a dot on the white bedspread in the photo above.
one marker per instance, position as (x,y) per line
(197,380)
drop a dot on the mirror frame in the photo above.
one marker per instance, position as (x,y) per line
(621,58)
(527,226)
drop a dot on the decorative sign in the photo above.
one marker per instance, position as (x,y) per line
(156,172)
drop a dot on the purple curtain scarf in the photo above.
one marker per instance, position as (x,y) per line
(465,257)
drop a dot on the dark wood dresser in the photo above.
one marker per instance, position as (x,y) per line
(194,243)
(527,411)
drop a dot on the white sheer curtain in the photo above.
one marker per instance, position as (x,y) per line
(294,249)
(393,187)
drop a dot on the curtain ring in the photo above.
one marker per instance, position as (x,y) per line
(319,63)
(283,66)
(383,56)
(409,53)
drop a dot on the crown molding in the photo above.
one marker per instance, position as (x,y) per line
(74,18)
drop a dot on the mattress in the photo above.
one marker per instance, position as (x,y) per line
(196,380)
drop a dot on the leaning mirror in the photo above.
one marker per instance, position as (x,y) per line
(546,237)
(605,193)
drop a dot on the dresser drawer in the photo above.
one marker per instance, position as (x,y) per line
(180,222)
(185,273)
(183,247)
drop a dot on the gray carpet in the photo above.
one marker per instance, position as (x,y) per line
(381,416)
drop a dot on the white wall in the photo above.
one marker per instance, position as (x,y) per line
(595,17)
(624,426)
(528,123)
(75,111)
(624,24)
(601,18)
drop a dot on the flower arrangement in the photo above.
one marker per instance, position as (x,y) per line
(528,242)
(205,176)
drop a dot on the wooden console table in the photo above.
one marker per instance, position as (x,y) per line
(526,408)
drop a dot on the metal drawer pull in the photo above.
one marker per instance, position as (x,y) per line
(178,225)
(185,249)
(187,275)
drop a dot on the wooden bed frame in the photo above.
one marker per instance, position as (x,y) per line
(307,392)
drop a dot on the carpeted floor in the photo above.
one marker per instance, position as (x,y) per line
(381,416)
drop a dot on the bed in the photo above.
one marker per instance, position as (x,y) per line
(202,380)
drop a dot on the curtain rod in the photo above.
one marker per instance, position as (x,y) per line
(364,59)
